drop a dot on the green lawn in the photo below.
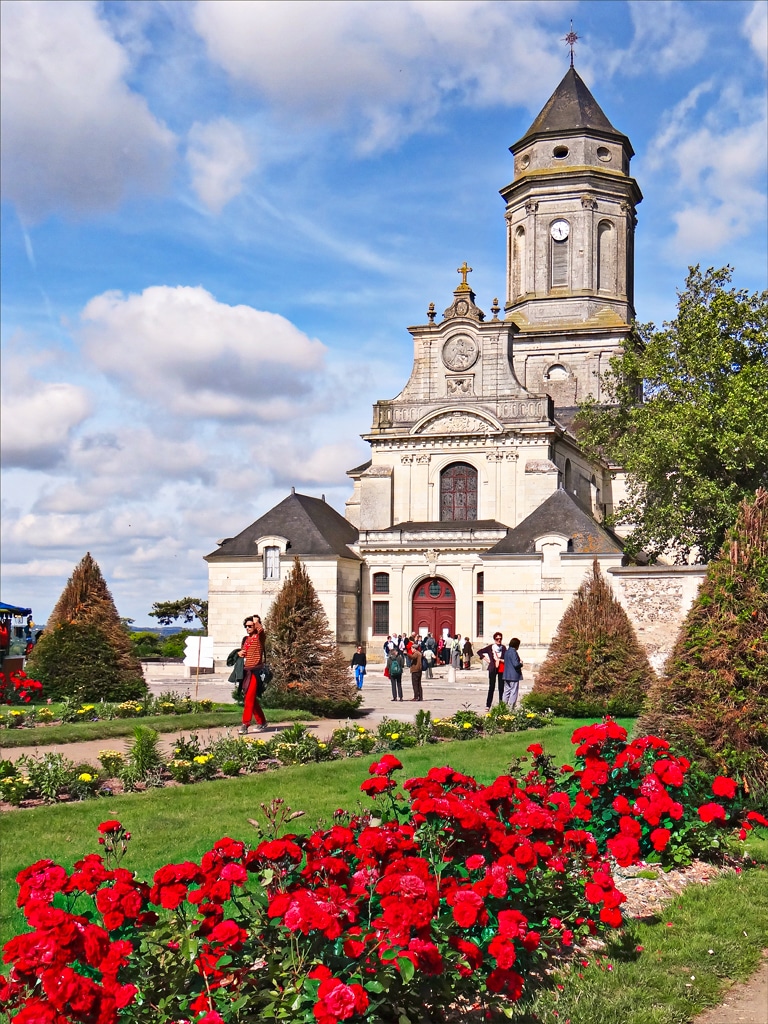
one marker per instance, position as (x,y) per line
(182,822)
(76,732)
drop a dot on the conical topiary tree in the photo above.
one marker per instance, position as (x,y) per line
(595,664)
(85,648)
(310,672)
(713,696)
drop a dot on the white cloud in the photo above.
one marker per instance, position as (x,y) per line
(755,29)
(219,161)
(38,421)
(74,135)
(667,37)
(195,357)
(715,163)
(386,66)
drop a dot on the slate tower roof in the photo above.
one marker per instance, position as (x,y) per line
(570,110)
(311,526)
(561,514)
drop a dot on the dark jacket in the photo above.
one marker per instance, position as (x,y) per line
(238,666)
(488,652)
(358,659)
(513,667)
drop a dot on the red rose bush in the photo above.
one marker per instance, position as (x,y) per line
(448,892)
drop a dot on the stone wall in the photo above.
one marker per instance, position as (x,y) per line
(657,599)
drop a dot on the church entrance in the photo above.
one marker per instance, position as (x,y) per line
(434,607)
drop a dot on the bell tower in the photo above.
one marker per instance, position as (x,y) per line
(570,243)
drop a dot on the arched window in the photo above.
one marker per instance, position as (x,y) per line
(458,493)
(272,563)
(518,262)
(381,583)
(606,257)
(568,476)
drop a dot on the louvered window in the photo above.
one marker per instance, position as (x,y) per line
(560,263)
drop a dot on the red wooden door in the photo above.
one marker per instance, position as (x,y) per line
(434,607)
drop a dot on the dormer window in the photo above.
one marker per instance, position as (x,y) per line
(271,563)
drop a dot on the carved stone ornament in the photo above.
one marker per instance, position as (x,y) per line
(406,460)
(460,385)
(432,556)
(457,423)
(589,202)
(464,305)
(423,460)
(531,206)
(460,352)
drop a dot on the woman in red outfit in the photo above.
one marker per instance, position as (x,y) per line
(252,651)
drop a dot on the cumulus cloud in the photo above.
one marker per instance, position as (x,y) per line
(388,65)
(718,159)
(755,29)
(38,421)
(667,36)
(75,137)
(219,162)
(196,357)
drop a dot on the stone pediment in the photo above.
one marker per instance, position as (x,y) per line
(456,421)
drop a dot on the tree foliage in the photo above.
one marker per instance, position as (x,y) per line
(85,619)
(77,659)
(310,672)
(713,697)
(697,444)
(595,664)
(186,608)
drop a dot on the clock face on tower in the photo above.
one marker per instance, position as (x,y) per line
(460,352)
(560,230)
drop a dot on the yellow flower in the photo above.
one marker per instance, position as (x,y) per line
(85,777)
(321,745)
(361,728)
(17,713)
(394,736)
(467,725)
(530,715)
(203,758)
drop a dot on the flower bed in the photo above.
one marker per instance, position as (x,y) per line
(232,755)
(448,893)
(76,710)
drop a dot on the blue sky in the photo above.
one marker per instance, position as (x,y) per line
(220,217)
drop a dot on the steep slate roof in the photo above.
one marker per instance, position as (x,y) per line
(571,107)
(311,525)
(443,524)
(560,513)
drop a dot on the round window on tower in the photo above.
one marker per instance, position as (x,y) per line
(560,152)
(524,162)
(603,154)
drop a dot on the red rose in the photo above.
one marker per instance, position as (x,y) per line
(109,826)
(660,837)
(724,787)
(536,749)
(712,812)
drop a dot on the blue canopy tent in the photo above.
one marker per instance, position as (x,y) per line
(13,609)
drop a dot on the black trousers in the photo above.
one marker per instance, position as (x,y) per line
(495,678)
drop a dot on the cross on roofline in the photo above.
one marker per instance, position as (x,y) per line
(464,270)
(571,40)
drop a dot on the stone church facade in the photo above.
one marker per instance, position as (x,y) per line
(477,510)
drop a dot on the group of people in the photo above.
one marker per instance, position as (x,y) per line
(420,653)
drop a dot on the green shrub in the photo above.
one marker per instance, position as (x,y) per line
(595,664)
(79,659)
(713,698)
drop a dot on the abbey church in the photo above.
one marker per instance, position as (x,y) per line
(477,510)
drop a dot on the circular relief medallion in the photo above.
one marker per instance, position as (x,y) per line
(460,352)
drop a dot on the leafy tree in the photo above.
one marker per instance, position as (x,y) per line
(713,698)
(310,672)
(61,656)
(187,609)
(595,664)
(697,444)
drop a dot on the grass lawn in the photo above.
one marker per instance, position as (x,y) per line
(75,732)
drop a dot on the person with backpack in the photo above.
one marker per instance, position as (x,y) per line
(395,665)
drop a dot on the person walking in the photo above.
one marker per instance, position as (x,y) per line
(454,657)
(513,673)
(428,657)
(395,665)
(252,650)
(494,659)
(416,670)
(466,653)
(358,665)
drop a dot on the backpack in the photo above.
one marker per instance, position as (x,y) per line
(395,669)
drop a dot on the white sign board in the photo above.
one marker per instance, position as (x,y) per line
(198,650)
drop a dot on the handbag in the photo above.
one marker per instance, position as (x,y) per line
(264,677)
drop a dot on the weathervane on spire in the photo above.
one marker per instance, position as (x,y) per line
(571,39)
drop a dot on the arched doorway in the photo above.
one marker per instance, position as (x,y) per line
(434,607)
